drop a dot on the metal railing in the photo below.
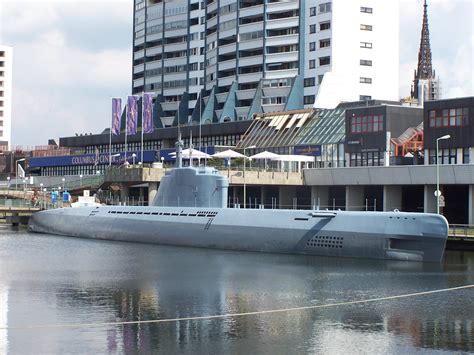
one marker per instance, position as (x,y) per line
(461,231)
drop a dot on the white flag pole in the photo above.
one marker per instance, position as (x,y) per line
(143,128)
(126,130)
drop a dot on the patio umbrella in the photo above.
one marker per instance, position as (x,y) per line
(228,154)
(196,154)
(265,155)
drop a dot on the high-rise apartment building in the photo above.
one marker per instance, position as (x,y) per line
(5,96)
(225,60)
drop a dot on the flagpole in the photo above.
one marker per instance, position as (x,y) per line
(126,131)
(200,119)
(110,135)
(143,114)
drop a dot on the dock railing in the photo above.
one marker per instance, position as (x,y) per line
(461,231)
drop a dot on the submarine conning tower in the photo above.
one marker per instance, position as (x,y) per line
(192,187)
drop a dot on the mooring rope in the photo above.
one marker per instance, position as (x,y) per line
(230,315)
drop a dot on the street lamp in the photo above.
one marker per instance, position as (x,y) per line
(245,186)
(41,195)
(16,176)
(437,192)
(133,159)
(64,184)
(8,186)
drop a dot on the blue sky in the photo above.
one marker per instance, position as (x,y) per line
(71,56)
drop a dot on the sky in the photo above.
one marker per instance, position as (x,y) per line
(71,56)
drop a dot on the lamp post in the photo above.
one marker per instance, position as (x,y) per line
(133,159)
(64,184)
(245,186)
(437,192)
(8,187)
(41,196)
(16,175)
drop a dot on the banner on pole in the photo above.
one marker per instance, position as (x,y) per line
(116,113)
(147,116)
(132,113)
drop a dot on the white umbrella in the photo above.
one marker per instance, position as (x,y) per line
(229,153)
(265,155)
(197,154)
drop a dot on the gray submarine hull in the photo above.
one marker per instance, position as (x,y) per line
(378,235)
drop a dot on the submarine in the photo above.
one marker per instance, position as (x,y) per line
(190,209)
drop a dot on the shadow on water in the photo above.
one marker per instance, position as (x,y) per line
(55,280)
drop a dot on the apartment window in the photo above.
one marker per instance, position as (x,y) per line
(2,63)
(324,61)
(308,82)
(1,113)
(1,123)
(323,8)
(366,62)
(312,64)
(323,26)
(366,10)
(309,99)
(325,43)
(366,27)
(454,117)
(1,133)
(312,28)
(312,11)
(312,46)
(465,156)
(366,124)
(1,103)
(2,53)
(365,80)
(320,79)
(1,84)
(365,45)
(1,93)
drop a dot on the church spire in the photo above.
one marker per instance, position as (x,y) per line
(424,74)
(425,68)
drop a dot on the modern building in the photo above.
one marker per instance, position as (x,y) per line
(6,56)
(217,61)
(426,86)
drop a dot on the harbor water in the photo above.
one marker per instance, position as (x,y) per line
(66,295)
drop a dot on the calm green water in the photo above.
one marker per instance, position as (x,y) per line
(47,280)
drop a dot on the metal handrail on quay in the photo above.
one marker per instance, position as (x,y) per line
(465,231)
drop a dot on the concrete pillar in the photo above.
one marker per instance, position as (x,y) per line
(471,205)
(355,198)
(320,196)
(429,199)
(392,198)
(286,195)
(124,192)
(152,191)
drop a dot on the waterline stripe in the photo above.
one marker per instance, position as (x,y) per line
(230,315)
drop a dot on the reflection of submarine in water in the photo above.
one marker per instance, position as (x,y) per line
(190,210)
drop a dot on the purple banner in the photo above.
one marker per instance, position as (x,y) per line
(116,112)
(147,117)
(132,113)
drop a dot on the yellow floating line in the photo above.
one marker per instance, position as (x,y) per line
(230,315)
